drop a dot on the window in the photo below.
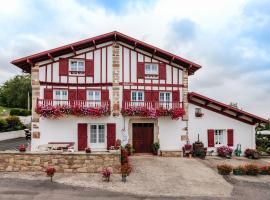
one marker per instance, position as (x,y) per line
(97,136)
(60,97)
(198,112)
(137,98)
(76,66)
(165,99)
(151,69)
(93,98)
(220,137)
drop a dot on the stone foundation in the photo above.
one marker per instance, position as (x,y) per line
(63,162)
(171,153)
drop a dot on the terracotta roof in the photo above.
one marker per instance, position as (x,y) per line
(26,62)
(224,109)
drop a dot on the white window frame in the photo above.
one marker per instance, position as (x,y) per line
(77,70)
(61,99)
(220,137)
(166,103)
(95,101)
(137,101)
(97,145)
(153,69)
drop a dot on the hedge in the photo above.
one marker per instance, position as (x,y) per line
(11,123)
(19,112)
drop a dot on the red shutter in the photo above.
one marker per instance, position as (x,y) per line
(155,96)
(63,66)
(81,94)
(175,96)
(211,138)
(162,71)
(48,94)
(126,95)
(230,137)
(82,136)
(72,94)
(111,134)
(104,95)
(148,95)
(89,67)
(140,70)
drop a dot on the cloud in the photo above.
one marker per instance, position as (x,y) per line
(228,38)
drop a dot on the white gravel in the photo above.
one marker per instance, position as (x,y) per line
(152,176)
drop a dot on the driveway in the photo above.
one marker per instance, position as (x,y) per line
(13,144)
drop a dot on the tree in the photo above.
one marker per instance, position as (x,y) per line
(14,92)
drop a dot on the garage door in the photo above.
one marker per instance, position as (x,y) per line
(142,137)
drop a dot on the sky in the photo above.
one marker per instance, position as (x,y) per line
(229,38)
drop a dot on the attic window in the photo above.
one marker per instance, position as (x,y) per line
(198,112)
(151,69)
(76,67)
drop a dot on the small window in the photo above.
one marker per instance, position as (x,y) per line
(137,96)
(76,66)
(60,97)
(151,69)
(165,99)
(93,98)
(220,137)
(198,112)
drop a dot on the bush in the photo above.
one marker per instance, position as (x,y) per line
(3,125)
(252,169)
(240,170)
(265,170)
(19,112)
(129,149)
(14,123)
(252,153)
(224,151)
(224,169)
(124,156)
(126,169)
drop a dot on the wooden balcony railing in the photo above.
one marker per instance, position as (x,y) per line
(74,103)
(152,104)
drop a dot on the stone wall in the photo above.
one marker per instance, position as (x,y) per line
(63,162)
(171,153)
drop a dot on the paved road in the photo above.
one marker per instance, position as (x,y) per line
(15,189)
(13,144)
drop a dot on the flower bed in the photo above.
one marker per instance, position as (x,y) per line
(224,151)
(59,111)
(174,113)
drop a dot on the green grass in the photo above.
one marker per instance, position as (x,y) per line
(4,111)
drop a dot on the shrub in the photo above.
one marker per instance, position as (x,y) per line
(19,112)
(88,150)
(124,156)
(224,151)
(155,148)
(252,169)
(14,123)
(50,172)
(265,170)
(224,169)
(240,170)
(106,173)
(117,144)
(126,169)
(22,148)
(3,125)
(252,153)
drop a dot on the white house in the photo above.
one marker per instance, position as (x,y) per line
(112,86)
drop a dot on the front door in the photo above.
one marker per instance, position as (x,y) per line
(97,137)
(142,137)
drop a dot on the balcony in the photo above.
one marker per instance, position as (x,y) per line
(60,108)
(152,109)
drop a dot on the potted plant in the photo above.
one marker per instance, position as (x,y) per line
(22,148)
(50,172)
(125,171)
(252,154)
(224,169)
(88,150)
(155,148)
(240,170)
(106,173)
(252,169)
(224,151)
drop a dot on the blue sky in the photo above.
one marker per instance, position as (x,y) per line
(229,38)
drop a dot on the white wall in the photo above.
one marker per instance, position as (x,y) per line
(244,134)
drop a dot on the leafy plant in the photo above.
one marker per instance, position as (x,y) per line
(155,148)
(126,169)
(224,169)
(124,156)
(265,170)
(252,153)
(50,171)
(240,170)
(224,151)
(117,144)
(22,148)
(19,112)
(3,125)
(14,123)
(129,149)
(252,169)
(88,150)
